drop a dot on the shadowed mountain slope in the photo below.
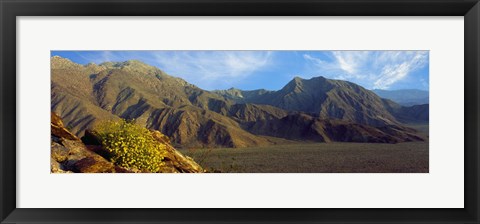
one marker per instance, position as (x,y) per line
(299,126)
(85,94)
(328,99)
(411,114)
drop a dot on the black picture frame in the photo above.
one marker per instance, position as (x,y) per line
(10,9)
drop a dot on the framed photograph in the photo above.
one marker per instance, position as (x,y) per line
(239,111)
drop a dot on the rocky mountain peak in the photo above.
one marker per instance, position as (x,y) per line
(295,85)
(57,62)
(297,79)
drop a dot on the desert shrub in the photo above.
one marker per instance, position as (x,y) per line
(131,146)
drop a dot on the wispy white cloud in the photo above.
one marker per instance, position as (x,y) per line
(373,69)
(351,61)
(396,71)
(210,68)
(97,56)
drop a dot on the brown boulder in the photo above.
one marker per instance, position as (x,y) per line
(56,167)
(94,164)
(74,156)
(175,162)
(58,129)
(58,152)
(90,138)
(69,154)
(119,169)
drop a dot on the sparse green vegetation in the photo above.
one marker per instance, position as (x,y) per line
(131,146)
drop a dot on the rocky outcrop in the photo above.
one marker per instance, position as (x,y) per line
(69,154)
(73,156)
(58,129)
(174,160)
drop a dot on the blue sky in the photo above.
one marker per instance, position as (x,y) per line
(271,70)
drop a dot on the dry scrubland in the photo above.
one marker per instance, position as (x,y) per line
(409,157)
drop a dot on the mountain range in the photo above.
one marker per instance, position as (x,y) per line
(317,109)
(405,97)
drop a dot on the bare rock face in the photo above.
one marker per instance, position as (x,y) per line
(94,164)
(174,160)
(72,156)
(69,154)
(58,128)
(56,167)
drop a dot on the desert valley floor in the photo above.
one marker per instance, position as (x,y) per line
(339,157)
